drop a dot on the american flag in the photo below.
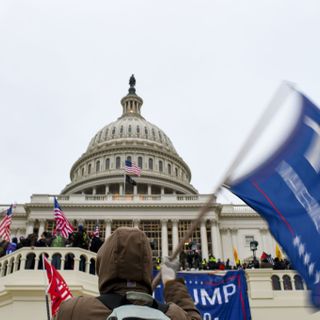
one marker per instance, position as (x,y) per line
(58,289)
(132,168)
(96,231)
(62,224)
(5,224)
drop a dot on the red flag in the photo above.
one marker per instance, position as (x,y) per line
(58,289)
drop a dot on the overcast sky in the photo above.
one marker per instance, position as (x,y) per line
(205,69)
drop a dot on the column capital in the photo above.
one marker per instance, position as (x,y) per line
(214,221)
(108,220)
(164,221)
(233,230)
(176,221)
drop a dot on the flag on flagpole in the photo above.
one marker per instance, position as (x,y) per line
(130,180)
(236,256)
(132,168)
(5,224)
(284,190)
(57,288)
(278,252)
(62,223)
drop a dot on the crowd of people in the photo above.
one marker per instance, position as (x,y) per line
(79,238)
(190,258)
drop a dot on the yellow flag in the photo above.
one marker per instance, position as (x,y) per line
(278,253)
(236,257)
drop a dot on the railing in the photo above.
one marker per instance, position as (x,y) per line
(114,198)
(68,258)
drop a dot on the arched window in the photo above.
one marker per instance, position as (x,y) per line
(153,134)
(146,131)
(275,283)
(160,136)
(129,130)
(89,168)
(298,284)
(107,164)
(121,131)
(82,172)
(129,158)
(138,130)
(106,133)
(169,168)
(98,166)
(160,166)
(176,171)
(117,162)
(113,131)
(150,164)
(140,162)
(287,284)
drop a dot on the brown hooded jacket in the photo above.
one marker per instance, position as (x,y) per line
(124,263)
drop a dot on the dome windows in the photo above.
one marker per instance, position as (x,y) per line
(98,166)
(177,171)
(129,158)
(150,164)
(118,162)
(153,134)
(113,131)
(129,130)
(169,168)
(107,164)
(121,131)
(138,131)
(140,162)
(82,172)
(160,166)
(146,131)
(89,168)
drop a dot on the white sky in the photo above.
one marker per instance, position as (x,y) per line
(205,69)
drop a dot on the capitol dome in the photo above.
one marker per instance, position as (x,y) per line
(101,169)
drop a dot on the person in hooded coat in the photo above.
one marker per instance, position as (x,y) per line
(124,263)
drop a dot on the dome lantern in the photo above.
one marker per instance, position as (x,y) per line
(131,103)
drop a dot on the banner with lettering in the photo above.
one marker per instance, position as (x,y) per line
(217,297)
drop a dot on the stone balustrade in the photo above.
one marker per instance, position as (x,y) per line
(67,258)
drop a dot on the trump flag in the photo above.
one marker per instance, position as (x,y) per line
(285,191)
(217,297)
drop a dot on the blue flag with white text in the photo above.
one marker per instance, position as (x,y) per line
(217,297)
(285,191)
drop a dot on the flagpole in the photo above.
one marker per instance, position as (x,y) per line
(124,183)
(279,97)
(46,284)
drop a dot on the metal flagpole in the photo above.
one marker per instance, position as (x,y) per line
(46,289)
(279,97)
(124,183)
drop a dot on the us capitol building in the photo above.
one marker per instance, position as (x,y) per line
(163,204)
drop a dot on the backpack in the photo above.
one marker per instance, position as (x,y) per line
(123,308)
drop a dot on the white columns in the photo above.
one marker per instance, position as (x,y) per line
(41,227)
(164,238)
(94,191)
(216,239)
(204,240)
(136,223)
(108,228)
(162,190)
(135,190)
(149,189)
(121,189)
(30,226)
(175,234)
(107,189)
(265,244)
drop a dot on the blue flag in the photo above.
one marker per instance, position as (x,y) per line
(217,297)
(285,191)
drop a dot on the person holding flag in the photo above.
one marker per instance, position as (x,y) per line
(62,223)
(5,224)
(57,287)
